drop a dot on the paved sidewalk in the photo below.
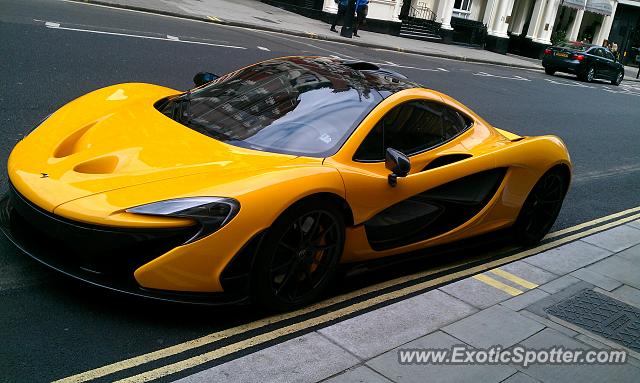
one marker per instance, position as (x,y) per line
(258,15)
(516,304)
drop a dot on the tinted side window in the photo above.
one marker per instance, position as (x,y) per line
(412,128)
(608,55)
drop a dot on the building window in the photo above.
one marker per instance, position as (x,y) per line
(462,8)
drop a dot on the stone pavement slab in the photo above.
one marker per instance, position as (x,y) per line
(632,253)
(375,332)
(475,293)
(635,224)
(559,284)
(628,295)
(520,377)
(361,374)
(616,239)
(308,358)
(620,269)
(496,325)
(521,301)
(596,279)
(571,373)
(387,364)
(567,258)
(529,272)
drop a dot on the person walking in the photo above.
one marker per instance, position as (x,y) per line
(342,9)
(362,8)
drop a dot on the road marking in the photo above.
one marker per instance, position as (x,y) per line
(172,38)
(264,49)
(573,83)
(442,69)
(592,222)
(497,284)
(616,171)
(330,316)
(514,278)
(213,18)
(57,26)
(485,74)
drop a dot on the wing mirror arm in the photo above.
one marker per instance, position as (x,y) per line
(398,164)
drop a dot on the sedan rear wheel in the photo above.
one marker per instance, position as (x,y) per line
(618,79)
(541,208)
(590,74)
(299,256)
(549,71)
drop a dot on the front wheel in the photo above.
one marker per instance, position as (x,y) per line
(541,208)
(299,256)
(618,79)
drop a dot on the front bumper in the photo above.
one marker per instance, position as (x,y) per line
(102,256)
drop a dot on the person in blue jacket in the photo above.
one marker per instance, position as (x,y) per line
(362,8)
(342,9)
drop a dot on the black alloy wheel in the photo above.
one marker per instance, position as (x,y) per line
(541,208)
(618,79)
(299,257)
(590,74)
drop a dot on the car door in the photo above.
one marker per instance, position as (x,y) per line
(601,66)
(612,70)
(445,188)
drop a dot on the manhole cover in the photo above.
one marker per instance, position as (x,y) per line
(263,19)
(601,315)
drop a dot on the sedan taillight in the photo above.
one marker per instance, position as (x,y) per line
(547,51)
(578,57)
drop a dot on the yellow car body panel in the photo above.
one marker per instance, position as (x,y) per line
(92,170)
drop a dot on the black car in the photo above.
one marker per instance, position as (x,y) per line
(587,61)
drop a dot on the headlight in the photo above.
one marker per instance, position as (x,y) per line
(211,213)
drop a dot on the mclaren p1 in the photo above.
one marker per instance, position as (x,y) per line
(256,185)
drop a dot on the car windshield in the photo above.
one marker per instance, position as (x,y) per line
(575,45)
(301,106)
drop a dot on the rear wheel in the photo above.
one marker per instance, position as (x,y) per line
(549,71)
(541,208)
(299,256)
(588,75)
(618,79)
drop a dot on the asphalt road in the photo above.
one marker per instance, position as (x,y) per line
(55,51)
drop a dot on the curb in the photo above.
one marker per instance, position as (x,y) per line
(305,34)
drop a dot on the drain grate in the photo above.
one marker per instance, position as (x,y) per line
(601,315)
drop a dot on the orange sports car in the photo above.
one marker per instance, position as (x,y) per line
(255,185)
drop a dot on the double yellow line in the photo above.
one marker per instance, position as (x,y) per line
(503,286)
(584,229)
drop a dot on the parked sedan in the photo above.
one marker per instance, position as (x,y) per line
(587,61)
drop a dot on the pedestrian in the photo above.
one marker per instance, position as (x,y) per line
(362,8)
(342,9)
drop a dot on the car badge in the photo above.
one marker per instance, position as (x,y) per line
(44,175)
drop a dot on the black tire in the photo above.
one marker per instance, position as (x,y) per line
(618,79)
(541,208)
(299,256)
(549,71)
(588,75)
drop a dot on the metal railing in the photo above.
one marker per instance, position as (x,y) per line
(421,11)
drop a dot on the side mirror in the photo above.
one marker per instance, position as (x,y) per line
(398,164)
(202,78)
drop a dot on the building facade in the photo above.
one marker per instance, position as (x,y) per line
(519,26)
